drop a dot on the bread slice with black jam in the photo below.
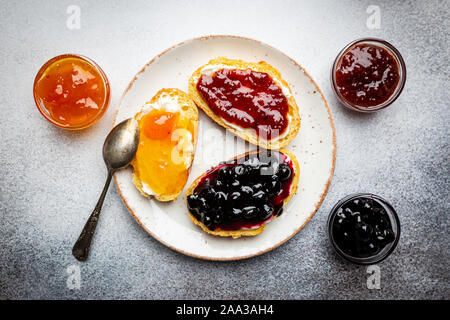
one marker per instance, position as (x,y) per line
(240,196)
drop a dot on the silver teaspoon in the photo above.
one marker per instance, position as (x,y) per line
(118,150)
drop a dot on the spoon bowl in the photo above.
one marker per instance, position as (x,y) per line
(121,144)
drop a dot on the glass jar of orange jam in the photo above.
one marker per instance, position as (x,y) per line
(71,91)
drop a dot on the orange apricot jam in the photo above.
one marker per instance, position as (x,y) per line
(158,125)
(71,91)
(162,159)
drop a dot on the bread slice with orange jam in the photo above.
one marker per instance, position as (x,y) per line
(168,126)
(246,133)
(204,205)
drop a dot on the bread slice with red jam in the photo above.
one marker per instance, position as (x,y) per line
(249,99)
(240,196)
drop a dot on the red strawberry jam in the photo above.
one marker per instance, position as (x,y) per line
(243,193)
(248,99)
(367,75)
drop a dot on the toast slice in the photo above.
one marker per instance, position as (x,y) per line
(245,231)
(246,133)
(162,183)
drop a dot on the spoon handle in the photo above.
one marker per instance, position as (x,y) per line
(81,248)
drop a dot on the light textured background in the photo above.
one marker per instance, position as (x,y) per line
(50,179)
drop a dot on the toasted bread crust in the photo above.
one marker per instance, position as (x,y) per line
(249,135)
(191,111)
(245,232)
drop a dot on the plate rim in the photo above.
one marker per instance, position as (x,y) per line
(317,205)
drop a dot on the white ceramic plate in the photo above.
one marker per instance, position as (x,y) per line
(314,147)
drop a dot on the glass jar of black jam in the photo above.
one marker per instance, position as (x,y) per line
(363,228)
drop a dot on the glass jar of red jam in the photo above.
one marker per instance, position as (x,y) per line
(368,75)
(71,91)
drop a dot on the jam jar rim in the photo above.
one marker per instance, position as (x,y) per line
(398,90)
(384,253)
(41,107)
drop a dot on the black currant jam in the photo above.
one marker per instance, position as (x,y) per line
(364,226)
(243,193)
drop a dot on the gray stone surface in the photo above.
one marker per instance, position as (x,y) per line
(50,179)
